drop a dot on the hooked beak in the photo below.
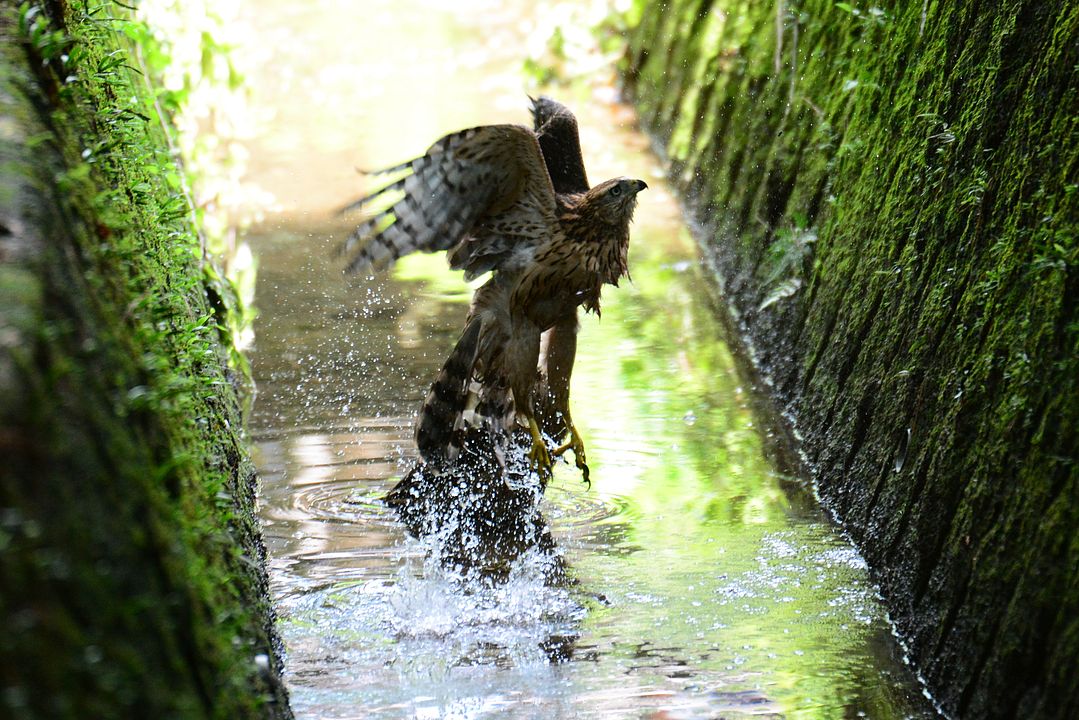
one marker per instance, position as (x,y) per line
(639,185)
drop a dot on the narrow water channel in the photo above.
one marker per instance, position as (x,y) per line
(706,582)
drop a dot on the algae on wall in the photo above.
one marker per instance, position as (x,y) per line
(131,563)
(890,195)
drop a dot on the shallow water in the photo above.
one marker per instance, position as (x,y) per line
(704,580)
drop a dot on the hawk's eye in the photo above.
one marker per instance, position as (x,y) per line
(616,190)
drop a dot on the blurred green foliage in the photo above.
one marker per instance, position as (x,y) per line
(192,52)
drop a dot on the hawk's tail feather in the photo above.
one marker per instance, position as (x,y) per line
(447,399)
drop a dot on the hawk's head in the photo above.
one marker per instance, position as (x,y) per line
(613,201)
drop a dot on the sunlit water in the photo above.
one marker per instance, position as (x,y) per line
(704,581)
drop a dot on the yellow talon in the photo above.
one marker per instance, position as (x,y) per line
(576,444)
(538,457)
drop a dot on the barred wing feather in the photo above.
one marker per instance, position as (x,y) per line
(483,192)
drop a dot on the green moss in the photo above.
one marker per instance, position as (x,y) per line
(130,557)
(926,341)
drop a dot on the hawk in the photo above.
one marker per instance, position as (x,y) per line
(515,202)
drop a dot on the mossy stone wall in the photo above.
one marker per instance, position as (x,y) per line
(890,195)
(131,565)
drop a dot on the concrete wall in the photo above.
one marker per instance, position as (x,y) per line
(131,566)
(889,196)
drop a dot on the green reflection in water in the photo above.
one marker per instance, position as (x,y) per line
(655,382)
(430,270)
(732,561)
(719,571)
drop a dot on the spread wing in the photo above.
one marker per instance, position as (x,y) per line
(484,192)
(556,128)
